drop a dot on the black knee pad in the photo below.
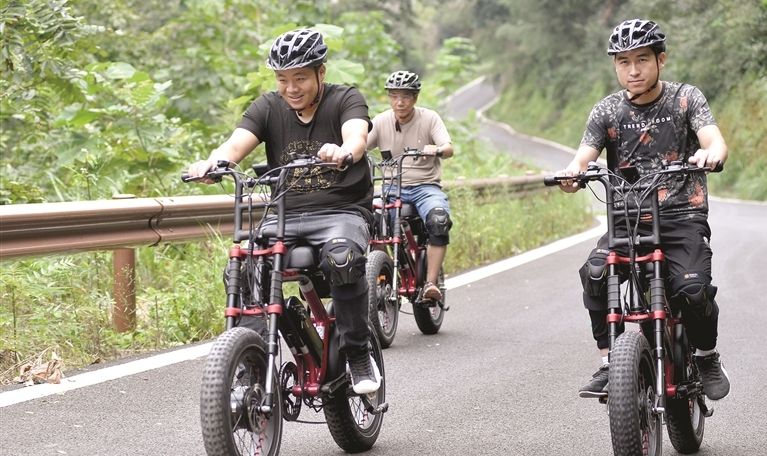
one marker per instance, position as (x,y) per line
(594,274)
(693,290)
(342,262)
(438,224)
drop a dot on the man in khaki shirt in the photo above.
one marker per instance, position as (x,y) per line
(408,126)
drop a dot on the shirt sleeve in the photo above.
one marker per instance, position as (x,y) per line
(354,106)
(597,131)
(698,110)
(439,133)
(255,118)
(373,134)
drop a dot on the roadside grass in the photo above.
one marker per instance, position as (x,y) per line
(63,304)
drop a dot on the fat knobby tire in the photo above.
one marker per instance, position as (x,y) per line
(629,405)
(230,349)
(353,429)
(685,421)
(379,275)
(430,323)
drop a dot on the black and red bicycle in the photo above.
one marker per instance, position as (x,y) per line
(653,377)
(247,388)
(397,261)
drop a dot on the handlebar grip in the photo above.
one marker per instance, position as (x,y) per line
(718,168)
(550,181)
(349,160)
(185,177)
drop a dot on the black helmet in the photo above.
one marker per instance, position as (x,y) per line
(634,34)
(297,49)
(403,80)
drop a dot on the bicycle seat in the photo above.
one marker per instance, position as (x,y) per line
(409,210)
(302,257)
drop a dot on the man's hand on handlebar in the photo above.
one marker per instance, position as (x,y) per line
(201,168)
(703,158)
(569,185)
(333,153)
(430,149)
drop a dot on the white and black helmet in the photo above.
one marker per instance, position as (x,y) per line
(403,80)
(635,34)
(297,49)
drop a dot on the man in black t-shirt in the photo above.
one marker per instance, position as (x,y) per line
(650,122)
(330,208)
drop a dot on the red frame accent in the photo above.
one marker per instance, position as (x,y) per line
(656,255)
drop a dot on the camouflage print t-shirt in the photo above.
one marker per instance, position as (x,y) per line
(645,135)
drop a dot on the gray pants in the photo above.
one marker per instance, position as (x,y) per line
(350,302)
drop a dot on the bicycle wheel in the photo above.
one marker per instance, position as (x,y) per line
(232,390)
(383,301)
(635,428)
(353,427)
(429,317)
(685,417)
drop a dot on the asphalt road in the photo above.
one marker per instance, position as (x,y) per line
(501,377)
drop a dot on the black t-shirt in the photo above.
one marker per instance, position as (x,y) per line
(345,188)
(644,135)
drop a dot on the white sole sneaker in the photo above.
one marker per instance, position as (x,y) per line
(367,386)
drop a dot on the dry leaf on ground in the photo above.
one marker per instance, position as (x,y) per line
(40,372)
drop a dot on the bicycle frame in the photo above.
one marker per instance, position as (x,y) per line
(637,309)
(311,359)
(394,232)
(244,412)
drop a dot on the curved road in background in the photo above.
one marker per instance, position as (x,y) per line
(501,377)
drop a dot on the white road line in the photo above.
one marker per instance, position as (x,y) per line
(198,351)
(103,375)
(513,262)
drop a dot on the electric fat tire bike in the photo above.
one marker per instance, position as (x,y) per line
(396,259)
(653,377)
(247,388)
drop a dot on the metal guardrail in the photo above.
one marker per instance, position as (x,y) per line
(123,224)
(57,228)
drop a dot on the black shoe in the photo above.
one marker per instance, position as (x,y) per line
(597,386)
(716,382)
(366,378)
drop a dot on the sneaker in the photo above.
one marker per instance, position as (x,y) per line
(716,382)
(597,386)
(366,378)
(430,291)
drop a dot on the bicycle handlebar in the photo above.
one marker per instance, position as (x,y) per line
(222,167)
(596,172)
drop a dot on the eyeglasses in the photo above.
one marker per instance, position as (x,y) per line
(407,97)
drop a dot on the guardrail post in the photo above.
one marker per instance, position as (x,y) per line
(124,270)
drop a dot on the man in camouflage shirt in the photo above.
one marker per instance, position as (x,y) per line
(650,122)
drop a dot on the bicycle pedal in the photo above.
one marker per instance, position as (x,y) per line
(383,408)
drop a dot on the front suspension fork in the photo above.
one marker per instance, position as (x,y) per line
(659,316)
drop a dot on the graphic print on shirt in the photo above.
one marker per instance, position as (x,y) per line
(314,179)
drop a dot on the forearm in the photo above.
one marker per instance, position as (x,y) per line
(355,144)
(584,156)
(447,150)
(236,148)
